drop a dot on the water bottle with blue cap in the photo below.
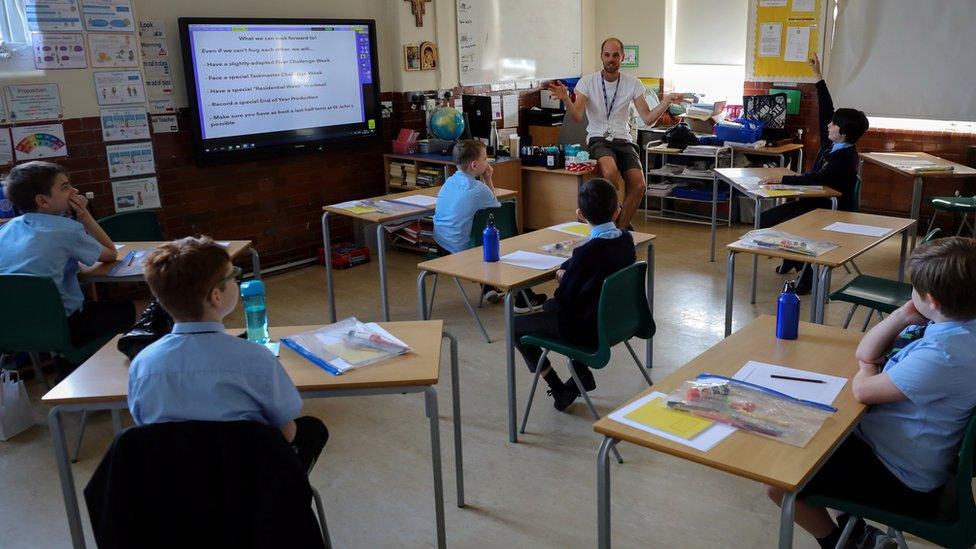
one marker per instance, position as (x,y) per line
(255,311)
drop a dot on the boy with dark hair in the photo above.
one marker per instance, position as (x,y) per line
(44,242)
(921,398)
(572,314)
(198,372)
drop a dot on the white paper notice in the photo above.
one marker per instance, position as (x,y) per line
(854,228)
(124,124)
(156,68)
(33,142)
(511,110)
(6,148)
(108,15)
(33,102)
(109,51)
(770,39)
(703,441)
(532,260)
(759,373)
(152,29)
(59,51)
(166,123)
(119,87)
(52,15)
(136,194)
(3,112)
(804,5)
(162,106)
(496,107)
(130,159)
(772,3)
(797,44)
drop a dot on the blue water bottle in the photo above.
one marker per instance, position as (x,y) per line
(255,311)
(7,209)
(490,241)
(788,313)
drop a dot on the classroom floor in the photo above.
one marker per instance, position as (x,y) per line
(375,474)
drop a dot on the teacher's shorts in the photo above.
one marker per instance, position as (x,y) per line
(623,151)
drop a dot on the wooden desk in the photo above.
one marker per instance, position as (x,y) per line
(381,220)
(823,349)
(99,271)
(469,265)
(780,151)
(810,225)
(549,196)
(102,383)
(890,161)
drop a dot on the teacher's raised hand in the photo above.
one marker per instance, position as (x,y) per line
(559,90)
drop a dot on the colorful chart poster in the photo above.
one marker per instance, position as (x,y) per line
(6,148)
(163,106)
(52,15)
(33,142)
(59,51)
(108,15)
(124,124)
(119,87)
(110,51)
(166,123)
(130,159)
(33,102)
(136,194)
(154,48)
(159,88)
(155,68)
(152,29)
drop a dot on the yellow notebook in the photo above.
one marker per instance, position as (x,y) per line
(360,209)
(656,414)
(581,229)
(773,193)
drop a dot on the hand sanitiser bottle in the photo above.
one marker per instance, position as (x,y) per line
(788,313)
(255,311)
(490,241)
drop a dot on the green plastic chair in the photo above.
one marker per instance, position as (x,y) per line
(877,294)
(621,315)
(955,204)
(136,226)
(950,524)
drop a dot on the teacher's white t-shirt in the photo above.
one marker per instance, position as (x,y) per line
(626,88)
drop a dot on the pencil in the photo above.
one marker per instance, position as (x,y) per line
(791,378)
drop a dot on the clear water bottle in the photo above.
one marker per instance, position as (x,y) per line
(490,241)
(255,311)
(788,313)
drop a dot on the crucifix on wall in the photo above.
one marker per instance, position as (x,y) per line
(418,8)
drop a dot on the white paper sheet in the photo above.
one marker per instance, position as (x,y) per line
(797,44)
(511,110)
(34,142)
(6,147)
(748,181)
(532,260)
(855,228)
(702,442)
(804,5)
(420,200)
(758,373)
(770,40)
(59,51)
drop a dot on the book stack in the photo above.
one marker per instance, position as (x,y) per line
(430,177)
(410,175)
(418,235)
(397,175)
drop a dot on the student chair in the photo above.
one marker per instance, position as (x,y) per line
(621,315)
(877,294)
(135,226)
(952,523)
(506,223)
(955,204)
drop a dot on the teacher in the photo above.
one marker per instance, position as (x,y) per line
(608,137)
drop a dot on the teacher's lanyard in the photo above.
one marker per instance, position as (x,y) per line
(609,105)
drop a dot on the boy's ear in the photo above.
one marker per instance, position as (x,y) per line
(616,214)
(933,302)
(41,201)
(580,217)
(214,297)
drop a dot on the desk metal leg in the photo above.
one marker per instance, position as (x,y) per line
(603,491)
(422,294)
(757,221)
(786,520)
(649,343)
(67,479)
(116,420)
(916,207)
(255,263)
(329,288)
(814,290)
(430,400)
(456,408)
(820,293)
(510,361)
(903,257)
(729,280)
(711,256)
(381,252)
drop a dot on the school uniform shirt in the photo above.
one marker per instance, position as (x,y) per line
(199,372)
(618,97)
(50,246)
(918,438)
(459,199)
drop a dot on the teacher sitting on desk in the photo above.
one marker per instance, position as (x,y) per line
(608,131)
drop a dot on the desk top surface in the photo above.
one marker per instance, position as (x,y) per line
(470,264)
(99,271)
(823,349)
(891,161)
(105,376)
(736,177)
(810,225)
(543,169)
(442,158)
(379,217)
(779,149)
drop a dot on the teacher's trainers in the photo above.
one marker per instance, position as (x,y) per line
(534,302)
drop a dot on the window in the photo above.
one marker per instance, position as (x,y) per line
(13,22)
(705,47)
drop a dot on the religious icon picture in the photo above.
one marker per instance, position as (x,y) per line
(428,56)
(411,57)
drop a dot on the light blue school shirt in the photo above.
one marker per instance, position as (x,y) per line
(50,246)
(606,230)
(918,439)
(199,372)
(459,199)
(838,146)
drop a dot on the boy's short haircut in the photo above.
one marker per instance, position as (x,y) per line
(182,273)
(597,200)
(852,124)
(466,151)
(25,181)
(945,268)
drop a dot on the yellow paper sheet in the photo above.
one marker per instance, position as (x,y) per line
(656,414)
(360,209)
(581,229)
(773,193)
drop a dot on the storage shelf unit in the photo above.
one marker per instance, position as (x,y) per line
(721,158)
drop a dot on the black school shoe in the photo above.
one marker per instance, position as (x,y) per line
(585,377)
(805,282)
(789,265)
(563,396)
(534,303)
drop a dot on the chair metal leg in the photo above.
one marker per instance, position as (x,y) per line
(856,268)
(867,320)
(846,532)
(433,292)
(643,371)
(899,537)
(847,269)
(963,224)
(589,403)
(81,435)
(931,222)
(38,372)
(850,316)
(320,510)
(481,298)
(535,383)
(471,309)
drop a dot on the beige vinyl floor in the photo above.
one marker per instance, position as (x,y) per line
(375,475)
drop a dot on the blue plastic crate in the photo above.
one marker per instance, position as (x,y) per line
(751,131)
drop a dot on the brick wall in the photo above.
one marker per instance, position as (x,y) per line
(882,191)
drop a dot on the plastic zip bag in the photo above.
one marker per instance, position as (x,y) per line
(779,240)
(751,408)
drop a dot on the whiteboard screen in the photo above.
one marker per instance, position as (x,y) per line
(506,40)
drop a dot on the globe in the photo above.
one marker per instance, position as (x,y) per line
(447,124)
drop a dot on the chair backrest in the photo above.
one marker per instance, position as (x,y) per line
(505,222)
(623,311)
(136,226)
(930,236)
(857,193)
(965,472)
(33,318)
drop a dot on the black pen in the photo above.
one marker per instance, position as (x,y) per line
(774,376)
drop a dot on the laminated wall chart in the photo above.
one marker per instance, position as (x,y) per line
(784,35)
